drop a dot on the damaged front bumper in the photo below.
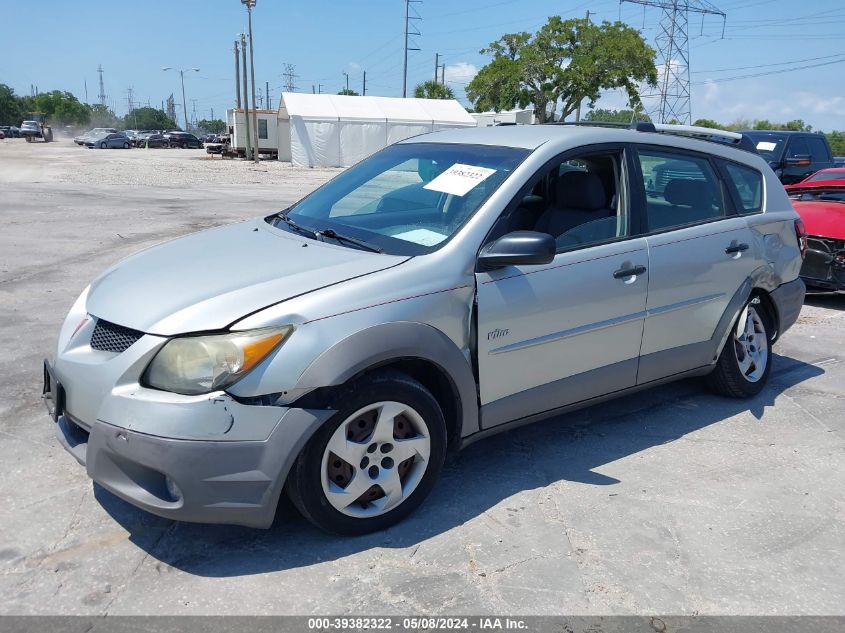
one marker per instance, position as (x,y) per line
(824,263)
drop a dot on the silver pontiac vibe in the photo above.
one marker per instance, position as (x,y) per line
(451,286)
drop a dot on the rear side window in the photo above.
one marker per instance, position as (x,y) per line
(818,150)
(680,190)
(748,185)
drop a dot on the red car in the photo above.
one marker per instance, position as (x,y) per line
(834,173)
(821,205)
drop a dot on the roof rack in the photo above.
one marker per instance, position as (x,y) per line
(741,141)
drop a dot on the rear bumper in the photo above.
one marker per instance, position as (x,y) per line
(232,482)
(788,299)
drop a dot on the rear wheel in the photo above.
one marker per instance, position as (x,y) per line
(375,460)
(744,364)
(103,145)
(126,145)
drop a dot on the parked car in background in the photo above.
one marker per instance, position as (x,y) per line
(209,138)
(219,145)
(10,131)
(338,350)
(792,155)
(151,140)
(97,131)
(839,161)
(2,134)
(116,140)
(821,205)
(185,140)
(132,135)
(834,173)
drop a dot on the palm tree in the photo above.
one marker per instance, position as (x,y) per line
(433,90)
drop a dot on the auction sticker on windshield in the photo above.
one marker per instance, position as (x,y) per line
(766,146)
(460,179)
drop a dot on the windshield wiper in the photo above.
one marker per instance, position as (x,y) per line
(332,234)
(298,227)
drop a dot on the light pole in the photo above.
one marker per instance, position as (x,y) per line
(347,82)
(250,4)
(184,101)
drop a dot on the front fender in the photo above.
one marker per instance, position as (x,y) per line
(381,344)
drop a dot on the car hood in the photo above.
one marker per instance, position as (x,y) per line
(209,280)
(825,219)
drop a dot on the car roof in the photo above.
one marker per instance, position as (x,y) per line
(784,132)
(563,137)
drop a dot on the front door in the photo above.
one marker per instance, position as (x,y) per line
(554,334)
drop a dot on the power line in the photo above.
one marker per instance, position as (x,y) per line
(290,77)
(672,42)
(771,72)
(794,61)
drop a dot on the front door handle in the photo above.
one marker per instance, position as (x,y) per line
(628,272)
(736,247)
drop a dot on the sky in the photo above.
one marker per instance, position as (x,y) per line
(778,59)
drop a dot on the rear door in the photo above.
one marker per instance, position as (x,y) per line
(700,254)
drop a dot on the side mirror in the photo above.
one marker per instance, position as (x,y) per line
(518,248)
(797,161)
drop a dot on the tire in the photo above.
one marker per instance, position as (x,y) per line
(103,145)
(746,360)
(126,146)
(372,416)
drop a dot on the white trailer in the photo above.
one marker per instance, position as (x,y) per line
(268,135)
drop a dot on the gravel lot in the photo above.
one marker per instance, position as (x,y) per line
(671,501)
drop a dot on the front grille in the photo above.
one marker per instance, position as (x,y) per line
(109,337)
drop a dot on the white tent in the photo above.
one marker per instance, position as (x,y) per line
(338,131)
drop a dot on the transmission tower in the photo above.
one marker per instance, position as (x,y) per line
(289,76)
(410,30)
(672,44)
(102,86)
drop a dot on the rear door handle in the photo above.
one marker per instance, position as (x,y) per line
(628,272)
(736,248)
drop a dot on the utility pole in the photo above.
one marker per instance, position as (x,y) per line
(249,5)
(86,90)
(364,91)
(248,138)
(436,66)
(102,86)
(237,77)
(267,95)
(130,98)
(443,73)
(672,45)
(347,82)
(289,76)
(408,32)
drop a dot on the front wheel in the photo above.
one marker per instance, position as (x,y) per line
(126,146)
(103,146)
(375,461)
(744,364)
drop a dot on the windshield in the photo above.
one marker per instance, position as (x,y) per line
(822,195)
(409,198)
(769,145)
(827,174)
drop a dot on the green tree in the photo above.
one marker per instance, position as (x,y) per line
(102,116)
(148,119)
(433,90)
(837,142)
(348,92)
(566,61)
(11,107)
(214,126)
(62,108)
(615,116)
(708,123)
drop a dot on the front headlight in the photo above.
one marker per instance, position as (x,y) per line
(201,364)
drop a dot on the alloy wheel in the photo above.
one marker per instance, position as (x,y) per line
(751,344)
(375,459)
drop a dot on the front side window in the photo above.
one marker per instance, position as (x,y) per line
(748,184)
(680,189)
(578,201)
(409,198)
